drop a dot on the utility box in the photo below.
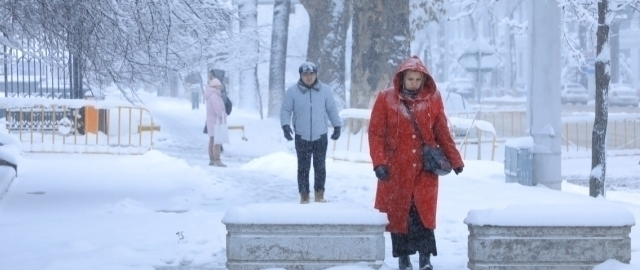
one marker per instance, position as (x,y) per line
(518,161)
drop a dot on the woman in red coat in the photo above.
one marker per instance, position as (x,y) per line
(407,193)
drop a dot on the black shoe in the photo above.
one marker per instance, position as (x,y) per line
(425,262)
(404,263)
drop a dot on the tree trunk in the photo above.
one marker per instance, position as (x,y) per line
(473,24)
(582,36)
(249,96)
(174,84)
(329,22)
(614,43)
(510,57)
(506,36)
(380,43)
(75,77)
(277,63)
(599,135)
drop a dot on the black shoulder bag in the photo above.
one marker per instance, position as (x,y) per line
(433,159)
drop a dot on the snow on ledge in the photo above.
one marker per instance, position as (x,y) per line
(313,213)
(548,215)
(356,113)
(11,102)
(466,123)
(351,156)
(520,143)
(613,264)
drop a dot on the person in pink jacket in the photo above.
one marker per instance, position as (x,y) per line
(215,115)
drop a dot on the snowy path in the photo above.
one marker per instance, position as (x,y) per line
(183,139)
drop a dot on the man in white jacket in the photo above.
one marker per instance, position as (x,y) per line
(308,104)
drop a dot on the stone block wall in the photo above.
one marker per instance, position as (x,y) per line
(549,236)
(294,237)
(567,248)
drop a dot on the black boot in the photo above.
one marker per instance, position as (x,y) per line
(425,261)
(404,263)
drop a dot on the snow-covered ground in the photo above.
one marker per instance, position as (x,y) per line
(164,208)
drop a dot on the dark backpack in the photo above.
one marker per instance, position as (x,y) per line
(228,106)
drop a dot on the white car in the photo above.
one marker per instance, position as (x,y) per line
(462,86)
(623,95)
(573,93)
(453,102)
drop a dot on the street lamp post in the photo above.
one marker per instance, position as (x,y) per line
(543,99)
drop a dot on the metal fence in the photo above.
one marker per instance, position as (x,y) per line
(508,124)
(623,130)
(61,129)
(25,75)
(354,146)
(623,135)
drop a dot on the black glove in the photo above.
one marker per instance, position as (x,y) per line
(457,170)
(336,133)
(382,172)
(287,132)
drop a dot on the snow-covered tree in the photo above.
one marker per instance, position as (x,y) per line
(381,41)
(507,28)
(250,98)
(496,22)
(423,12)
(602,13)
(599,133)
(277,64)
(124,42)
(329,22)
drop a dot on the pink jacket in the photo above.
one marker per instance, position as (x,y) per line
(215,108)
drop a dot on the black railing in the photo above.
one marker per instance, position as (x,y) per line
(25,75)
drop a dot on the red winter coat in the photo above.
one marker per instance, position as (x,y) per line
(393,142)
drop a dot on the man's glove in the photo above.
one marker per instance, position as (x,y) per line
(287,132)
(457,170)
(336,133)
(382,172)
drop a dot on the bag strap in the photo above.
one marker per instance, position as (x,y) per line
(413,121)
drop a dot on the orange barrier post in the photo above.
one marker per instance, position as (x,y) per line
(90,119)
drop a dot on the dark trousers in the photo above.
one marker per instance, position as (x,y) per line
(419,238)
(195,100)
(306,150)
